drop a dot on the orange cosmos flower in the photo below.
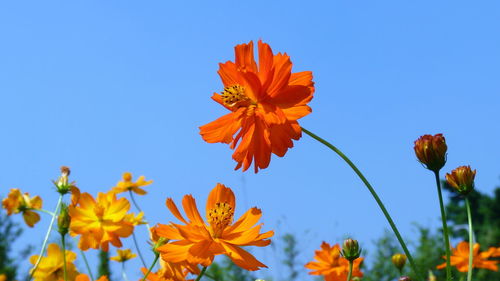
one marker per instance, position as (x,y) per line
(50,268)
(332,265)
(265,101)
(128,185)
(101,222)
(197,242)
(16,202)
(460,258)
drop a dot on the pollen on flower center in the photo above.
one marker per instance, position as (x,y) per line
(233,95)
(219,217)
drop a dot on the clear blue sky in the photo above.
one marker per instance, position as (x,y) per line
(112,86)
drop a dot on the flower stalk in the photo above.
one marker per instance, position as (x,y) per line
(89,271)
(349,274)
(471,240)
(445,227)
(201,273)
(46,239)
(65,271)
(375,196)
(157,255)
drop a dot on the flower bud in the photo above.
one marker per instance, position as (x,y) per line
(404,278)
(63,220)
(431,151)
(462,179)
(350,249)
(399,261)
(63,185)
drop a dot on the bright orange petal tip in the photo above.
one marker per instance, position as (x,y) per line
(265,100)
(198,242)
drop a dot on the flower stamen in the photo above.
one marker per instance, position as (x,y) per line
(220,217)
(234,95)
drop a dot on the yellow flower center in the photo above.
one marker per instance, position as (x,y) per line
(234,95)
(220,217)
(99,211)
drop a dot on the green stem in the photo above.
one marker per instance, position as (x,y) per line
(375,196)
(138,249)
(445,227)
(44,244)
(471,240)
(139,209)
(124,275)
(201,273)
(65,272)
(349,275)
(151,267)
(43,211)
(87,265)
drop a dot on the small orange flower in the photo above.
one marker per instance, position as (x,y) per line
(198,243)
(128,185)
(172,271)
(50,268)
(332,265)
(462,179)
(16,202)
(460,258)
(265,101)
(431,151)
(123,255)
(101,222)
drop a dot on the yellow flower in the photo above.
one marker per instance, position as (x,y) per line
(123,255)
(84,277)
(16,202)
(128,185)
(101,221)
(3,277)
(172,271)
(50,268)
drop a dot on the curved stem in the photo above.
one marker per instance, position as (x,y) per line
(65,272)
(151,267)
(46,239)
(375,196)
(471,240)
(349,275)
(87,265)
(138,249)
(201,273)
(445,228)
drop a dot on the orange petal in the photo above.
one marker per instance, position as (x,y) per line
(173,208)
(189,205)
(241,257)
(222,129)
(244,57)
(220,194)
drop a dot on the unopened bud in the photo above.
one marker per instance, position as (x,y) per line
(399,261)
(350,249)
(63,185)
(63,220)
(404,278)
(462,179)
(431,151)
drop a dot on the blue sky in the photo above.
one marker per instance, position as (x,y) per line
(115,86)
